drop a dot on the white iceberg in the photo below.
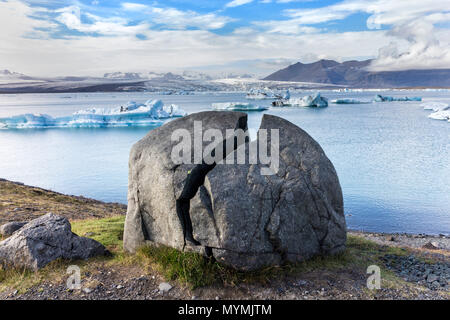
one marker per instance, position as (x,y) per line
(132,114)
(348,101)
(440,115)
(316,100)
(435,106)
(237,106)
(260,94)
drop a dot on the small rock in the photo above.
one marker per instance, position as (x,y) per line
(436,284)
(432,245)
(44,240)
(119,287)
(164,287)
(217,298)
(9,228)
(300,283)
(87,290)
(432,278)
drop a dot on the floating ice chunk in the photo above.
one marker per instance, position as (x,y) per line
(316,100)
(435,106)
(287,95)
(237,106)
(133,114)
(28,121)
(380,98)
(348,101)
(260,94)
(440,115)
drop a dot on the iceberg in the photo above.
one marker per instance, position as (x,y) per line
(237,106)
(316,101)
(348,101)
(440,115)
(132,114)
(435,106)
(380,98)
(260,94)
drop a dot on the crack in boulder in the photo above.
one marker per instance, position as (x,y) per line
(233,212)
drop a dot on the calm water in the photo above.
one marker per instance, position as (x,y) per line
(393,162)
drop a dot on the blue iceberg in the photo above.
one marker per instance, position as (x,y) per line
(348,101)
(132,114)
(380,98)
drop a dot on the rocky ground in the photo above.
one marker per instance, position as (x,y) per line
(413,266)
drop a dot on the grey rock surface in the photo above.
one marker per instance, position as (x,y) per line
(44,240)
(9,228)
(159,190)
(236,214)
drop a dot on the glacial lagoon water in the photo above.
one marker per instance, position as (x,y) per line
(392,161)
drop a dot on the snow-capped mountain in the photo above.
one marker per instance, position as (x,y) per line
(10,75)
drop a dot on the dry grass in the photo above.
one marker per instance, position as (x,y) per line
(23,203)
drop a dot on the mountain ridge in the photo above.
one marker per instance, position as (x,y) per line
(354,73)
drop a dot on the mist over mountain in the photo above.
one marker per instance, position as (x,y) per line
(356,74)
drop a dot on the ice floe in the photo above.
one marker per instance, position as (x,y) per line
(435,106)
(380,98)
(261,94)
(315,100)
(132,114)
(441,110)
(440,115)
(348,101)
(237,106)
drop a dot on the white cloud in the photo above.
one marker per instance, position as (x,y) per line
(181,19)
(178,19)
(71,18)
(134,6)
(286,27)
(237,3)
(424,49)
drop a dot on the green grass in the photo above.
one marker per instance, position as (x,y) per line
(195,270)
(192,269)
(107,231)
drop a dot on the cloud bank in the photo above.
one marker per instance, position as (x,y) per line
(81,39)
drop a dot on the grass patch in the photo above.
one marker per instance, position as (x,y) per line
(107,231)
(195,270)
(22,279)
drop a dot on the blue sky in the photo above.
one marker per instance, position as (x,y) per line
(90,37)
